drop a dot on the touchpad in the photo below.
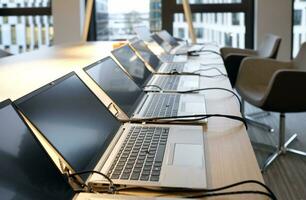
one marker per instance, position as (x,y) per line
(188,155)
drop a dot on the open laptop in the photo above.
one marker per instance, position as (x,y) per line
(135,102)
(26,170)
(176,47)
(89,137)
(144,34)
(144,78)
(157,64)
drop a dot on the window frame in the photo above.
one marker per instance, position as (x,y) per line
(170,7)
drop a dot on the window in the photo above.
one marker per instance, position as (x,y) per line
(299,24)
(227,22)
(21,31)
(113,22)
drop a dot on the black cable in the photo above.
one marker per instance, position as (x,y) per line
(209,192)
(206,89)
(175,72)
(183,118)
(208,51)
(156,86)
(208,69)
(211,64)
(232,193)
(112,187)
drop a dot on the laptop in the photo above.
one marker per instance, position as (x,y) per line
(144,34)
(144,78)
(89,137)
(176,47)
(134,102)
(26,170)
(157,64)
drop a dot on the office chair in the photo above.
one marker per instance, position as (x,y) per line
(277,87)
(232,59)
(233,56)
(4,53)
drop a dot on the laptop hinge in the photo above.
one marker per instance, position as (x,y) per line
(114,107)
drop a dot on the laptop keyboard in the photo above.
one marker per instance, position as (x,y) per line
(175,67)
(163,105)
(167,58)
(141,154)
(168,82)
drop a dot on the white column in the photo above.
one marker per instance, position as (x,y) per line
(274,16)
(68,18)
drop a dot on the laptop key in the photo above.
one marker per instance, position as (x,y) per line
(160,153)
(144,177)
(135,176)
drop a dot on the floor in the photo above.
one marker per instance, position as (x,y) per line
(287,175)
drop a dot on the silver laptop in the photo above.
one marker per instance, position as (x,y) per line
(144,34)
(134,102)
(89,137)
(144,78)
(178,48)
(157,64)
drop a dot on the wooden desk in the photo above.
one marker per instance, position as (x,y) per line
(230,156)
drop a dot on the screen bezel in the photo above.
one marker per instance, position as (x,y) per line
(8,102)
(45,88)
(141,96)
(150,73)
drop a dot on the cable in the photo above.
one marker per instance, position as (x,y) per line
(209,192)
(208,69)
(205,89)
(111,189)
(232,193)
(211,64)
(175,72)
(183,118)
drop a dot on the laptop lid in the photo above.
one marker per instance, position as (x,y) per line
(168,38)
(133,65)
(161,42)
(143,32)
(26,170)
(118,86)
(147,54)
(72,119)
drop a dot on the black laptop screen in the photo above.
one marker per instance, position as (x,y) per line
(74,121)
(133,65)
(147,54)
(118,85)
(161,42)
(26,171)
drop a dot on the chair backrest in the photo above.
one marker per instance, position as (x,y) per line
(269,47)
(4,53)
(299,62)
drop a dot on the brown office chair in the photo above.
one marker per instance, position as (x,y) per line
(233,56)
(4,53)
(277,87)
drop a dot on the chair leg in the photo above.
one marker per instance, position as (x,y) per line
(252,120)
(282,145)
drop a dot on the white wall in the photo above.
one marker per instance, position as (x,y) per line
(68,17)
(274,16)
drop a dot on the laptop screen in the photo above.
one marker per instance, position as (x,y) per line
(161,42)
(143,32)
(26,171)
(147,54)
(113,80)
(133,65)
(74,121)
(167,37)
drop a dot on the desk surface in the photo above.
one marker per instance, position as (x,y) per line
(230,156)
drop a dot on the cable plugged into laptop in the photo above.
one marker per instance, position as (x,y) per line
(196,193)
(175,72)
(187,118)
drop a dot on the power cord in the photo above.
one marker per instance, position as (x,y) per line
(175,72)
(156,86)
(111,189)
(184,118)
(208,69)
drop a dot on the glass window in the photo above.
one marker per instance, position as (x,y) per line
(115,22)
(299,24)
(209,1)
(221,32)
